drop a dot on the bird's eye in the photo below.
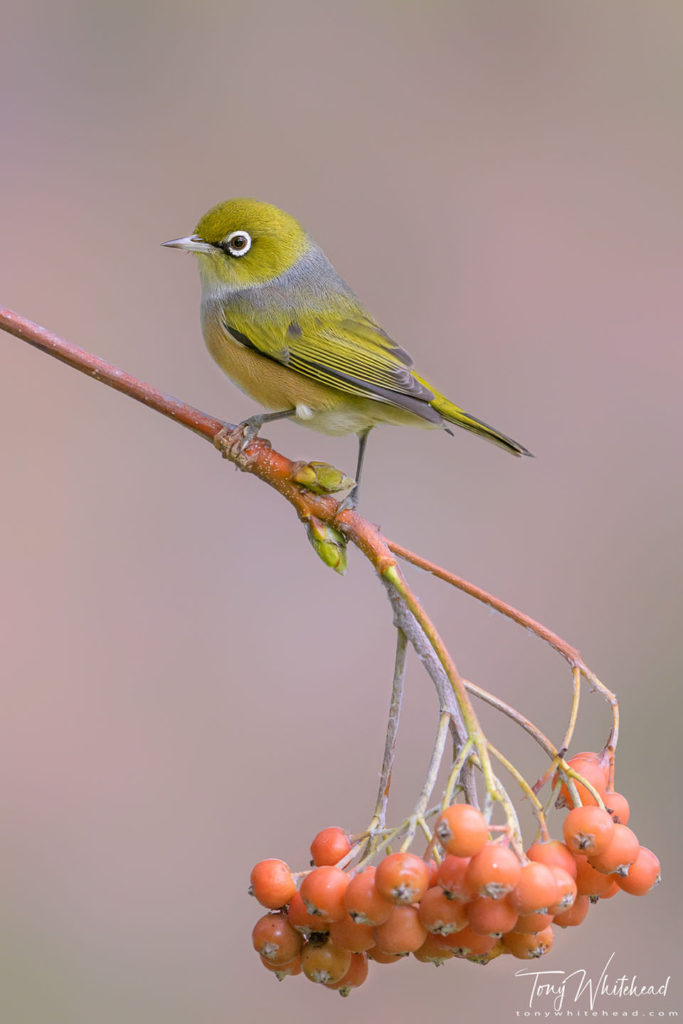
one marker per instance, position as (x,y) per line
(237,243)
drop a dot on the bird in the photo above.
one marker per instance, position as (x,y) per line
(290,333)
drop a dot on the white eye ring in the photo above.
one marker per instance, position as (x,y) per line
(237,243)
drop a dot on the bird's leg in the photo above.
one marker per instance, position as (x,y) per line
(251,426)
(351,499)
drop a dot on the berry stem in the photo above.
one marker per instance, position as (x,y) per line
(512,830)
(514,714)
(455,773)
(417,817)
(405,620)
(464,704)
(569,653)
(397,690)
(525,787)
(574,712)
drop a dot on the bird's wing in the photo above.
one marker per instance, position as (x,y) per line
(350,353)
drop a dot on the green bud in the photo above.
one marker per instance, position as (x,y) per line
(329,544)
(321,478)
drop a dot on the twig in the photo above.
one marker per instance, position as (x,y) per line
(397,688)
(556,642)
(574,713)
(417,817)
(525,787)
(454,773)
(516,716)
(405,620)
(467,712)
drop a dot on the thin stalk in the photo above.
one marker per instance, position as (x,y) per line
(464,704)
(417,817)
(405,620)
(574,712)
(512,713)
(397,690)
(569,653)
(454,773)
(525,787)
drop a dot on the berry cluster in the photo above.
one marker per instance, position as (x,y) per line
(477,899)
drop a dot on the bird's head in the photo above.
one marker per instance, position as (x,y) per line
(244,242)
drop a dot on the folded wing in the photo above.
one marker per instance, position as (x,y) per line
(350,353)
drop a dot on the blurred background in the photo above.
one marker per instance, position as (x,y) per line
(186,688)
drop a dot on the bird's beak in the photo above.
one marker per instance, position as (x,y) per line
(193,243)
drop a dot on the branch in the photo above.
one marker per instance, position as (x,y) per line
(397,688)
(257,458)
(308,487)
(276,470)
(204,425)
(568,652)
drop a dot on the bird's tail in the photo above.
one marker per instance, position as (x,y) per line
(454,414)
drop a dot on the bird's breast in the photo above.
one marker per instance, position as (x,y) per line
(276,387)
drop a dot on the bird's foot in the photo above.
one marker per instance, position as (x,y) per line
(350,502)
(250,429)
(228,440)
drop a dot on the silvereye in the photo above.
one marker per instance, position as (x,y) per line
(285,327)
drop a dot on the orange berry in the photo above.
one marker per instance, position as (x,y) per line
(535,890)
(553,853)
(588,830)
(433,868)
(491,917)
(575,914)
(439,914)
(621,852)
(497,949)
(612,891)
(329,846)
(354,977)
(617,807)
(566,891)
(529,946)
(363,902)
(402,933)
(324,962)
(275,939)
(529,924)
(347,934)
(594,769)
(323,892)
(402,878)
(462,830)
(590,882)
(452,877)
(494,872)
(282,971)
(467,942)
(301,920)
(433,951)
(643,874)
(272,883)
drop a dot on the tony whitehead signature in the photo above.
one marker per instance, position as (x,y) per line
(558,985)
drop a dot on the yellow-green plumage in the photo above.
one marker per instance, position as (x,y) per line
(290,332)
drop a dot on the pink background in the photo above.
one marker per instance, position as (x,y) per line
(186,688)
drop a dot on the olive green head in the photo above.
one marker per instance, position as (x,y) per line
(243,241)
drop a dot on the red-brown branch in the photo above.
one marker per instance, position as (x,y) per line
(276,470)
(258,458)
(99,369)
(556,642)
